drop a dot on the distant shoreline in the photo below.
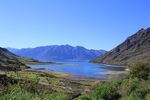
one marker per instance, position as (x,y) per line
(47,63)
(108,65)
(52,64)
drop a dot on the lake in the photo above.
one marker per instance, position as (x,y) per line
(82,68)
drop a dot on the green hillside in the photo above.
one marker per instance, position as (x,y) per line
(9,61)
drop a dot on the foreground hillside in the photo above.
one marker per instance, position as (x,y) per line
(58,52)
(135,49)
(32,85)
(9,61)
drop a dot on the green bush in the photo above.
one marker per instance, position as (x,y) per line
(18,94)
(138,94)
(128,86)
(97,99)
(130,98)
(107,91)
(55,97)
(141,92)
(83,97)
(140,70)
(147,97)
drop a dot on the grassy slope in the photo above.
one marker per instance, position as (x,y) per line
(8,61)
(53,82)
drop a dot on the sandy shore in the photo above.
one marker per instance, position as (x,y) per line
(114,73)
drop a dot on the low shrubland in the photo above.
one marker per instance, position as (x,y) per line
(42,86)
(135,87)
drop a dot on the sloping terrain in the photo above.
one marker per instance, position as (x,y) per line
(134,49)
(9,61)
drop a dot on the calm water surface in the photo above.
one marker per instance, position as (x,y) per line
(82,68)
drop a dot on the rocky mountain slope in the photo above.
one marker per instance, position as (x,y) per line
(58,52)
(9,61)
(134,49)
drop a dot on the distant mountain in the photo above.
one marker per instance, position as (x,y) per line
(12,49)
(9,61)
(135,49)
(58,52)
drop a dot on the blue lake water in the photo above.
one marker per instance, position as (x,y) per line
(82,68)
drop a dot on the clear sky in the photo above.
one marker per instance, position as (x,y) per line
(94,24)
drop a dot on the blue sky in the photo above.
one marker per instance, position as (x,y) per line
(94,24)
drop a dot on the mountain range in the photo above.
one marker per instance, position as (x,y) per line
(58,52)
(135,48)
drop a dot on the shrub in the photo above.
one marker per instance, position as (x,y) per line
(138,94)
(55,97)
(141,92)
(128,86)
(130,98)
(18,94)
(83,97)
(147,97)
(140,70)
(107,91)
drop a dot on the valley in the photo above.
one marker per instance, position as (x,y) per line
(26,78)
(74,50)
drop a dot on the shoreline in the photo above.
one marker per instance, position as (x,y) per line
(126,67)
(66,75)
(78,77)
(108,65)
(72,76)
(114,72)
(113,65)
(47,63)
